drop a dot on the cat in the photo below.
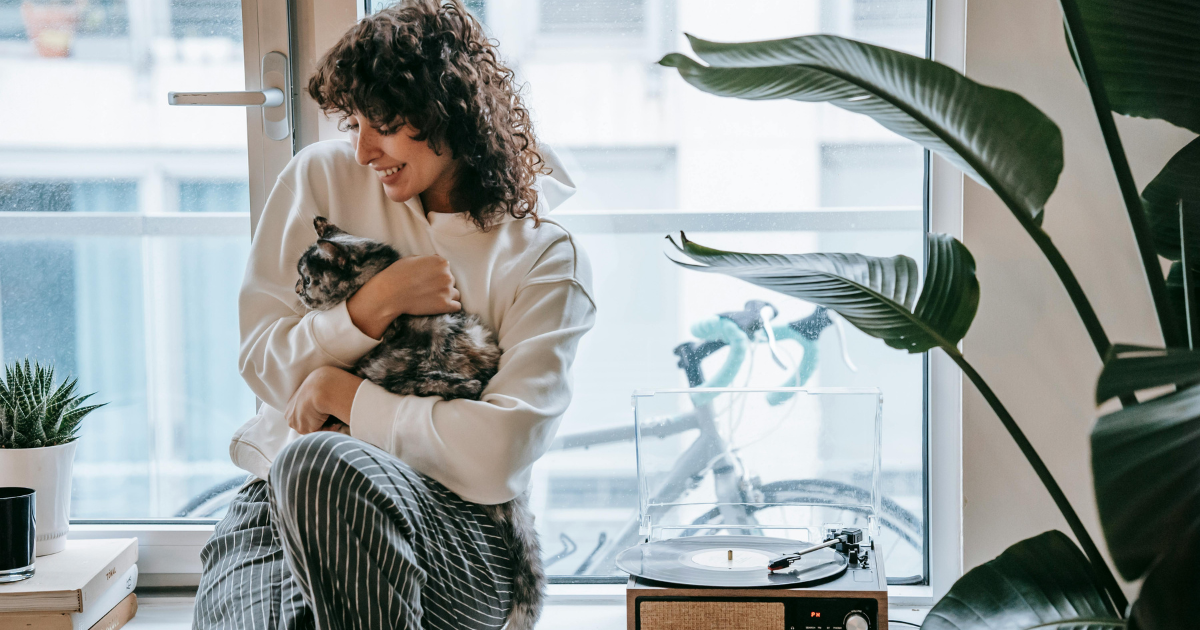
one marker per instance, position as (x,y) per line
(449,356)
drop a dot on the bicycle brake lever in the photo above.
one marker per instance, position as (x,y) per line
(691,354)
(751,318)
(771,340)
(841,330)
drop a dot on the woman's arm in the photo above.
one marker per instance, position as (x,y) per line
(326,392)
(483,449)
(416,285)
(281,342)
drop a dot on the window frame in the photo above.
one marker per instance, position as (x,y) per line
(169,549)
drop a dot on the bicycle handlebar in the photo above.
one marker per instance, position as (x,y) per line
(737,330)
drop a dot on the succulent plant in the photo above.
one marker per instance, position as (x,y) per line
(34,413)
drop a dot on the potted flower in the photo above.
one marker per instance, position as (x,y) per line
(39,424)
(50,26)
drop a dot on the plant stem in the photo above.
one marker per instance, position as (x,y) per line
(1082,305)
(1186,236)
(1187,287)
(1077,36)
(1101,569)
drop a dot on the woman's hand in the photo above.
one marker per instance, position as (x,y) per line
(417,285)
(326,392)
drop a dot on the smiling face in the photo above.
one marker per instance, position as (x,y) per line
(406,167)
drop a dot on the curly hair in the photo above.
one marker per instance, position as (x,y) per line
(427,64)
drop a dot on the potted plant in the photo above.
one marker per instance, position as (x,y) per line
(50,26)
(39,424)
(1135,59)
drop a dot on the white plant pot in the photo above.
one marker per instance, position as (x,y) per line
(48,471)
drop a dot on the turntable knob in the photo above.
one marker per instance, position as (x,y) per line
(856,621)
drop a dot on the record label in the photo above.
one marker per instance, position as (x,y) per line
(729,561)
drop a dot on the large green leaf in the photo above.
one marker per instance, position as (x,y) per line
(1179,181)
(1130,369)
(882,297)
(1146,459)
(995,136)
(1171,589)
(1148,53)
(1042,582)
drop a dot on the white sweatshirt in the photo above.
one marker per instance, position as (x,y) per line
(532,285)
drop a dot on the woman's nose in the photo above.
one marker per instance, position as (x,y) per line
(367,147)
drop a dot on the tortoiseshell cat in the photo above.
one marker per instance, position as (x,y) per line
(449,356)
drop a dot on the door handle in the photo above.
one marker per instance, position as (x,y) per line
(270,97)
(276,107)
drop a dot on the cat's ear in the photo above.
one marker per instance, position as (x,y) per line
(332,252)
(324,227)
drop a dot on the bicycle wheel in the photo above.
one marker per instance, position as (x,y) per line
(212,501)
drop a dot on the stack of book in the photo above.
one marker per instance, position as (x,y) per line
(87,586)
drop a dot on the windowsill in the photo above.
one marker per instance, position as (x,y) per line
(169,557)
(173,612)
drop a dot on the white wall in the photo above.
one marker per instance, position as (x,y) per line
(1027,341)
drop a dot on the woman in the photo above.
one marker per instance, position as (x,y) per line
(387,527)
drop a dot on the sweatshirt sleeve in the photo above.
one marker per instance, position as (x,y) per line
(483,449)
(282,342)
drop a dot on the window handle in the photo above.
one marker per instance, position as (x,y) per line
(270,97)
(276,84)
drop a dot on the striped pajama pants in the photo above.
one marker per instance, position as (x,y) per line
(343,535)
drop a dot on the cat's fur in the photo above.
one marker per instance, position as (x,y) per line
(449,356)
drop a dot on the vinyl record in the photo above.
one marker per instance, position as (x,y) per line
(705,561)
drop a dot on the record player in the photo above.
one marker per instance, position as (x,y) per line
(762,516)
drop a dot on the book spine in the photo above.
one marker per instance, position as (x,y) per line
(118,616)
(105,603)
(115,570)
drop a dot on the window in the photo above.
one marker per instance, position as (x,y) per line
(123,240)
(124,231)
(652,155)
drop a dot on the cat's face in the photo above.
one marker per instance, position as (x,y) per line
(328,274)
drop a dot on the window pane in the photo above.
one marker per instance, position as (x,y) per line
(68,196)
(151,325)
(652,155)
(143,313)
(214,196)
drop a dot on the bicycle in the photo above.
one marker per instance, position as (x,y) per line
(710,455)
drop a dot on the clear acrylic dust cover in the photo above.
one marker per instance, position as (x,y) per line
(781,462)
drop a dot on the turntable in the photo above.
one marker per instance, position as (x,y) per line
(779,530)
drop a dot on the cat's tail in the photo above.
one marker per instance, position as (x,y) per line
(529,579)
